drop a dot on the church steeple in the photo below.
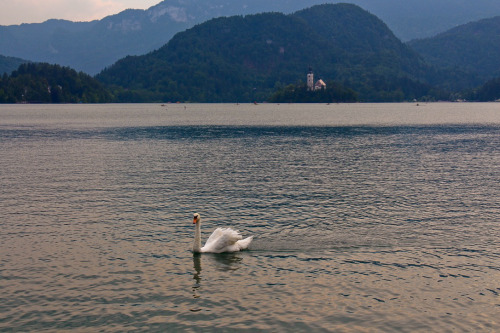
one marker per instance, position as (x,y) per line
(310,79)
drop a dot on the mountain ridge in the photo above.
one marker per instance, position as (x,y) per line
(9,64)
(472,47)
(92,46)
(243,58)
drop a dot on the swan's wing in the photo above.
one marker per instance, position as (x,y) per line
(214,236)
(221,239)
(244,243)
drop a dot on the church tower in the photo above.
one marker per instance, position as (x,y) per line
(310,80)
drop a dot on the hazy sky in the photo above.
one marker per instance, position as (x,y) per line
(31,11)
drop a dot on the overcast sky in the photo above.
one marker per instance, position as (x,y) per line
(35,11)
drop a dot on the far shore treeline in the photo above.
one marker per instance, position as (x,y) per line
(44,83)
(265,57)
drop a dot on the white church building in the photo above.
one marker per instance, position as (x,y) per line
(311,86)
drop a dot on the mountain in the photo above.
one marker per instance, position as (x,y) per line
(412,19)
(8,64)
(246,58)
(92,46)
(473,47)
(44,83)
(86,46)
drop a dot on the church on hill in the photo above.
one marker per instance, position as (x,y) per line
(311,86)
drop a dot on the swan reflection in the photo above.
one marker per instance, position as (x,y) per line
(196,278)
(197,268)
(223,262)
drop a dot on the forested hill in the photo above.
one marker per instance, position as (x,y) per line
(247,58)
(8,64)
(473,47)
(91,46)
(362,36)
(44,83)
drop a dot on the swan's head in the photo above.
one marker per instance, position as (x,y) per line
(196,218)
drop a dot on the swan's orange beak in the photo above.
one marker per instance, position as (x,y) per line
(194,220)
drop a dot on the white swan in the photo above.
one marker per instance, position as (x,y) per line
(221,240)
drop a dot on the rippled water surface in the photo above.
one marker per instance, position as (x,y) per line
(366,217)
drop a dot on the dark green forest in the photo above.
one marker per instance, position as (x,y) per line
(472,47)
(488,92)
(245,59)
(45,83)
(9,64)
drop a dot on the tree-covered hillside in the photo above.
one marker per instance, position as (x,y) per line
(473,47)
(8,64)
(248,58)
(44,83)
(488,92)
(91,46)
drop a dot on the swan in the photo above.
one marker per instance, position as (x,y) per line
(221,240)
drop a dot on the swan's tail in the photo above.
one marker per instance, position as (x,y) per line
(244,243)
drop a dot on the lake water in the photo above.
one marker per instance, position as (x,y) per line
(366,217)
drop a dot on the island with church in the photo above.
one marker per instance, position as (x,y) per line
(314,92)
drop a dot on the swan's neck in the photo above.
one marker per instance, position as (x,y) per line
(197,238)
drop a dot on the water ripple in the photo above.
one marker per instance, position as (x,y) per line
(357,228)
